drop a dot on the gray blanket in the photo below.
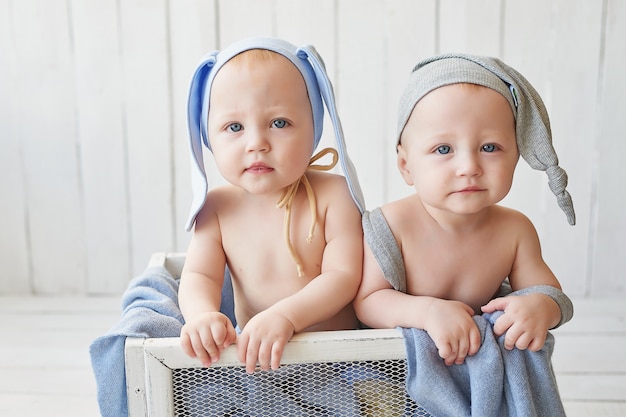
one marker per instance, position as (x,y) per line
(493,383)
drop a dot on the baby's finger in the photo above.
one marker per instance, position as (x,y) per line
(219,334)
(502,324)
(199,351)
(537,343)
(511,338)
(277,353)
(265,355)
(242,347)
(523,341)
(447,353)
(231,336)
(494,305)
(208,344)
(185,343)
(475,341)
(251,357)
(462,351)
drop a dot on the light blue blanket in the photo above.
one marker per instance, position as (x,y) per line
(149,309)
(493,383)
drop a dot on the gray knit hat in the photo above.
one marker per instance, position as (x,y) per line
(532,125)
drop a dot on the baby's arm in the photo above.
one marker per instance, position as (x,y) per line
(206,331)
(266,334)
(528,317)
(448,323)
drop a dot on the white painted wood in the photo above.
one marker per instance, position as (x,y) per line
(411,28)
(173,262)
(573,78)
(593,387)
(44,363)
(529,52)
(336,346)
(550,58)
(97,50)
(608,240)
(193,33)
(14,246)
(244,18)
(300,23)
(471,27)
(147,86)
(159,393)
(575,355)
(135,377)
(361,88)
(45,97)
(600,409)
(94,166)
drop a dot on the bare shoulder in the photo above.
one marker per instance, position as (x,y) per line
(337,211)
(402,212)
(218,200)
(328,187)
(223,194)
(320,179)
(511,220)
(398,210)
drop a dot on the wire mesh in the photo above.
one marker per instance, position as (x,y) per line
(358,388)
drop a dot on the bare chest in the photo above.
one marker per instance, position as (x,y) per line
(259,256)
(469,271)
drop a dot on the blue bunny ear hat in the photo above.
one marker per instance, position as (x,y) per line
(320,91)
(532,125)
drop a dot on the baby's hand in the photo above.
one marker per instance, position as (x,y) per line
(206,335)
(263,339)
(450,325)
(525,321)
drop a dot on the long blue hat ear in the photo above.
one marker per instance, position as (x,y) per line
(195,107)
(309,54)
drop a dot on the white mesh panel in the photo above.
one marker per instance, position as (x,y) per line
(358,388)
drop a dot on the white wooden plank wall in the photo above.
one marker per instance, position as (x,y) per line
(94,171)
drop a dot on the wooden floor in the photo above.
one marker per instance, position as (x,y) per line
(45,368)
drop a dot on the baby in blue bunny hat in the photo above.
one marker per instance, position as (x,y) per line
(289,233)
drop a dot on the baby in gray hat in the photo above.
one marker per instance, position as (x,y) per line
(438,257)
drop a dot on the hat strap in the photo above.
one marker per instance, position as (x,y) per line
(290,193)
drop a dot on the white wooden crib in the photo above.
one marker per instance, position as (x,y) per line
(341,373)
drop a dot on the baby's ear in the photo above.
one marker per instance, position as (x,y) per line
(403,165)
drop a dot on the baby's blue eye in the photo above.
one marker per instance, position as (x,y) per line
(235,127)
(279,123)
(443,150)
(490,147)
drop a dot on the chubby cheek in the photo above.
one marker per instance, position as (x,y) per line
(428,187)
(502,182)
(299,159)
(226,163)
